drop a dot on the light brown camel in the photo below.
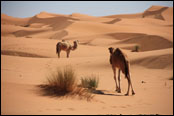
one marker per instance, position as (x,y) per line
(119,60)
(65,46)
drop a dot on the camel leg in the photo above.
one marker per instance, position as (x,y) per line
(68,52)
(128,79)
(58,54)
(114,70)
(133,93)
(119,91)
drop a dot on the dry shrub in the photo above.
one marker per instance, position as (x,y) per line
(63,83)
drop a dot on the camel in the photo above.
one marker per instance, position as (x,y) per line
(66,46)
(119,60)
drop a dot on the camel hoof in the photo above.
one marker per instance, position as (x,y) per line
(133,93)
(119,91)
(126,94)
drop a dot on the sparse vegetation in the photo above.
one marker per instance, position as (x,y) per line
(136,48)
(90,82)
(64,83)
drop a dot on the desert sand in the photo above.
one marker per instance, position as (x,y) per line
(28,55)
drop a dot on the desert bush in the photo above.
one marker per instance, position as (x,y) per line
(136,48)
(90,82)
(62,81)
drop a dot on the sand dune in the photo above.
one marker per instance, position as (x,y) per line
(161,62)
(56,23)
(21,33)
(155,12)
(75,23)
(129,16)
(113,21)
(149,42)
(78,15)
(157,59)
(48,15)
(159,12)
(28,55)
(168,15)
(5,19)
(22,54)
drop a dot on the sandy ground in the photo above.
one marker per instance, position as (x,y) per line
(28,56)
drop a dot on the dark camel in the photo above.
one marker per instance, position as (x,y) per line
(119,60)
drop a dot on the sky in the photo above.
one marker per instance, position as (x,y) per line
(24,9)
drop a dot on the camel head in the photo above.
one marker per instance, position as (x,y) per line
(63,40)
(75,45)
(111,49)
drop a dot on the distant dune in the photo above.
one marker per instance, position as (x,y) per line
(5,19)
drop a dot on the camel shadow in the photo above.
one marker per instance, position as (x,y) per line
(104,92)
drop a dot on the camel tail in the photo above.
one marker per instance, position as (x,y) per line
(58,47)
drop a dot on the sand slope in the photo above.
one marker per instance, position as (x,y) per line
(28,56)
(5,19)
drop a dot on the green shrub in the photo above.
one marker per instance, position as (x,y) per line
(136,48)
(90,82)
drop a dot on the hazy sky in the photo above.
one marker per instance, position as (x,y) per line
(93,8)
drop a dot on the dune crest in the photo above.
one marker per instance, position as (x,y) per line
(81,15)
(9,20)
(155,12)
(47,15)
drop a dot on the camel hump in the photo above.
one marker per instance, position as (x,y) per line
(124,58)
(121,53)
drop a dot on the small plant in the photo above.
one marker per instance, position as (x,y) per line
(90,82)
(136,48)
(62,81)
